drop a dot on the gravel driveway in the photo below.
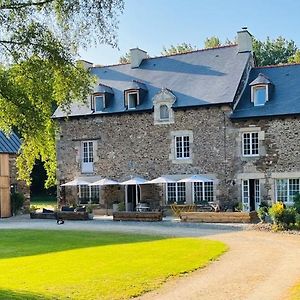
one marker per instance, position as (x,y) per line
(259,265)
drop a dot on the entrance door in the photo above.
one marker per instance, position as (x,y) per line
(133,197)
(251,194)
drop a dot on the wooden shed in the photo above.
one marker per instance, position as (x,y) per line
(9,146)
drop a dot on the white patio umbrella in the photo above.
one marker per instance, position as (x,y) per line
(196,178)
(75,182)
(133,181)
(104,181)
(162,179)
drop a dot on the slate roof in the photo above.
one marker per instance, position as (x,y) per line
(284,99)
(202,77)
(9,144)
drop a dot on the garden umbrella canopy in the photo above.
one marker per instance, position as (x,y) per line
(134,181)
(75,182)
(196,178)
(104,181)
(162,179)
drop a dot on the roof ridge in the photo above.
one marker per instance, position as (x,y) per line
(168,55)
(277,66)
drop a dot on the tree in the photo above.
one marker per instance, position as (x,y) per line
(180,48)
(273,52)
(39,42)
(212,42)
(125,59)
(295,58)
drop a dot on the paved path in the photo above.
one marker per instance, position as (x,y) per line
(258,266)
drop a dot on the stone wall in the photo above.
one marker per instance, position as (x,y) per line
(130,144)
(279,153)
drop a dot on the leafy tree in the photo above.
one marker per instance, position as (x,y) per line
(125,59)
(39,42)
(212,42)
(295,58)
(180,48)
(273,52)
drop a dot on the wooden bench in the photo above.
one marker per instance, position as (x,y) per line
(219,217)
(137,216)
(65,215)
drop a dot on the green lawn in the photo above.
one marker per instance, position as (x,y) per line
(36,264)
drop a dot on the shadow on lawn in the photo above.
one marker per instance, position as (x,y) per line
(17,243)
(13,295)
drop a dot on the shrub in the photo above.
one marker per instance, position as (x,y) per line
(289,217)
(297,202)
(276,212)
(17,201)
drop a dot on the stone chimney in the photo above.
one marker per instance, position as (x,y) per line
(86,64)
(244,39)
(136,56)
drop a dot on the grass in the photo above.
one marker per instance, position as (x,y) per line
(295,292)
(36,264)
(43,201)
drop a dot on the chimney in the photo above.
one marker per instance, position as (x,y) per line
(244,39)
(86,64)
(136,56)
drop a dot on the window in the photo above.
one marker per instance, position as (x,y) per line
(176,193)
(250,144)
(87,157)
(132,99)
(88,194)
(99,102)
(286,189)
(203,192)
(260,95)
(164,113)
(182,147)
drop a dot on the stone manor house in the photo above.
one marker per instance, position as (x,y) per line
(210,113)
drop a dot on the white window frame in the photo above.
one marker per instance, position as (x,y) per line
(250,144)
(127,94)
(204,191)
(182,148)
(86,192)
(87,166)
(178,192)
(253,93)
(289,198)
(246,194)
(94,101)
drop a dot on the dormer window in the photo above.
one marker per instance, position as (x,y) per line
(134,94)
(132,99)
(99,102)
(101,97)
(164,113)
(260,90)
(259,94)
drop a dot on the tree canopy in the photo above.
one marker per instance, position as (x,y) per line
(180,48)
(39,42)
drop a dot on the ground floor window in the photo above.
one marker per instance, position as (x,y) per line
(176,192)
(203,192)
(88,194)
(286,189)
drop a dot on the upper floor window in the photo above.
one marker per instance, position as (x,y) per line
(182,147)
(99,102)
(132,99)
(164,113)
(261,88)
(87,157)
(250,144)
(259,94)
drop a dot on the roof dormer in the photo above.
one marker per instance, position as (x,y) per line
(101,97)
(134,94)
(261,88)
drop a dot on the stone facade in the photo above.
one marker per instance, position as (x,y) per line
(130,144)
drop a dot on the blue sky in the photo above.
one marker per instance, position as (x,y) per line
(152,24)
